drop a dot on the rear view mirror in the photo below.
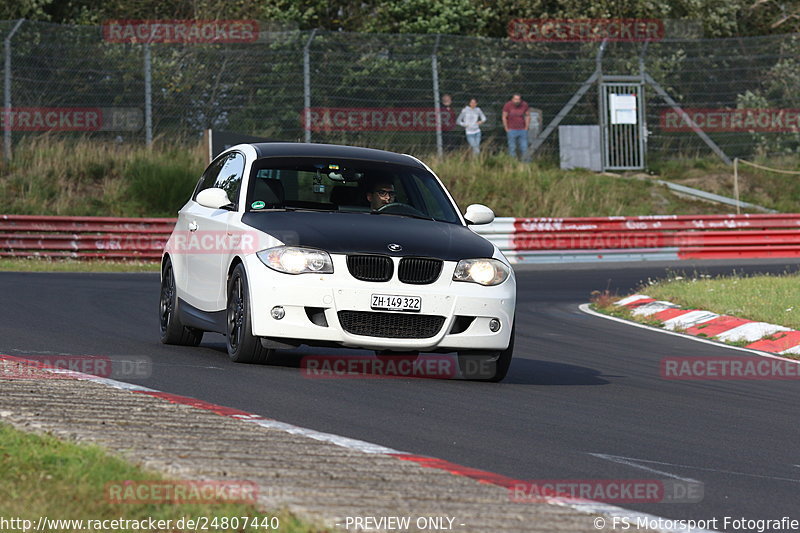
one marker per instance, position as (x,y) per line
(214,198)
(345,176)
(478,214)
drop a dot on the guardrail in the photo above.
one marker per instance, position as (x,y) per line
(523,240)
(645,238)
(84,237)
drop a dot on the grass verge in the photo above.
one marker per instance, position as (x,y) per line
(56,176)
(41,476)
(762,298)
(761,187)
(52,176)
(537,189)
(70,265)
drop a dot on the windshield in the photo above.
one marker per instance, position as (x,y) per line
(349,186)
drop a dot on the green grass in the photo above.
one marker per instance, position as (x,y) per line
(772,299)
(762,298)
(50,175)
(43,476)
(542,190)
(69,265)
(768,189)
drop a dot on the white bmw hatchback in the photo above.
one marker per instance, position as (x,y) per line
(284,244)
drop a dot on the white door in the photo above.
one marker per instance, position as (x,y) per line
(208,238)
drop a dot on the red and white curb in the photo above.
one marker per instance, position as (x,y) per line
(481,476)
(761,336)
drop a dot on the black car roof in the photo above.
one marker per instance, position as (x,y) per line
(332,151)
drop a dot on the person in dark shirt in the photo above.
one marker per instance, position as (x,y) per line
(516,119)
(451,140)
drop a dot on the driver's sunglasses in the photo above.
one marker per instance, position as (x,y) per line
(384,193)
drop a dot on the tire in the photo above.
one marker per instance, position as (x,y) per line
(243,347)
(172,330)
(487,366)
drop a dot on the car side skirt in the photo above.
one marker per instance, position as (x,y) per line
(205,320)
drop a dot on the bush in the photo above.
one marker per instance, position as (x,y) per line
(161,185)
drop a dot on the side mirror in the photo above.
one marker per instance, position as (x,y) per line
(214,198)
(478,214)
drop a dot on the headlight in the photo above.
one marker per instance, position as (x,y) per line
(481,271)
(294,260)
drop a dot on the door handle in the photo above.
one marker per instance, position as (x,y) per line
(192,226)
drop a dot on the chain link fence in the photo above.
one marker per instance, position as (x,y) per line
(386,91)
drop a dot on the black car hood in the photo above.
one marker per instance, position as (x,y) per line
(343,233)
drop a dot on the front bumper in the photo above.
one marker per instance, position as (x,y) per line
(307,297)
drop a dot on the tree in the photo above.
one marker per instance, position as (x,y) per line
(485,18)
(27,9)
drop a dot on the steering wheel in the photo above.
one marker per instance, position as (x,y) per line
(400,208)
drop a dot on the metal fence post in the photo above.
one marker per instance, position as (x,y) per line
(307,85)
(736,185)
(148,96)
(645,132)
(436,104)
(7,92)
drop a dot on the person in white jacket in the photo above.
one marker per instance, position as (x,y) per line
(471,118)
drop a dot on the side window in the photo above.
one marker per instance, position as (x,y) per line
(225,173)
(209,177)
(230,175)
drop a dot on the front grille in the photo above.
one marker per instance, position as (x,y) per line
(390,325)
(370,267)
(419,270)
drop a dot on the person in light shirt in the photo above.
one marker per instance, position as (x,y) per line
(471,118)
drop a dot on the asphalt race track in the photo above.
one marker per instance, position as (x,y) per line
(579,387)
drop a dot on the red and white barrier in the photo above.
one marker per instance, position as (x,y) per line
(84,237)
(761,336)
(523,240)
(667,237)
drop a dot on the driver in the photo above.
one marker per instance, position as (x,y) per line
(380,194)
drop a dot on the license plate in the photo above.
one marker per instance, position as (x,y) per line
(392,302)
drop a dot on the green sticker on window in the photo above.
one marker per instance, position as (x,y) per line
(258,205)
